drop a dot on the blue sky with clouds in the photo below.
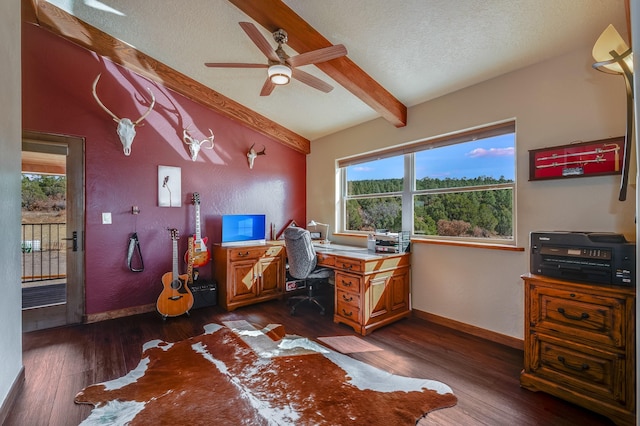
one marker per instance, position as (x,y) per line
(492,157)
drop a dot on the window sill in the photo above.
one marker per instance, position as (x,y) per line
(449,243)
(346,234)
(469,244)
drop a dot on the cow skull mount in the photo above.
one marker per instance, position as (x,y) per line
(195,145)
(252,154)
(126,127)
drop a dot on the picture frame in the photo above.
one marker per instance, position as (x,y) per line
(169,186)
(291,224)
(593,158)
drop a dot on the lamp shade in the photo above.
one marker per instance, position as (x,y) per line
(610,40)
(279,74)
(326,225)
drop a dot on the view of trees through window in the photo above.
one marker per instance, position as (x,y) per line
(463,189)
(43,193)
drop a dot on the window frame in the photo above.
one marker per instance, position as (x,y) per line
(409,192)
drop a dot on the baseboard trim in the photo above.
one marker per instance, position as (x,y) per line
(119,313)
(512,342)
(12,396)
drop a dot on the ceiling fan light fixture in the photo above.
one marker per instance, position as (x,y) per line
(279,74)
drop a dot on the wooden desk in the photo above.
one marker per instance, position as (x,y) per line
(371,289)
(248,274)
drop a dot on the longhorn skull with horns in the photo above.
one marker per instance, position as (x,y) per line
(252,154)
(194,144)
(126,128)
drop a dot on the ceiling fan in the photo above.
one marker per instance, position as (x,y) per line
(282,67)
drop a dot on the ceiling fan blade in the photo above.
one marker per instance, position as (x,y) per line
(234,65)
(267,88)
(316,56)
(311,80)
(258,39)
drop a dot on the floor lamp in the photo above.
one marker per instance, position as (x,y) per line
(613,56)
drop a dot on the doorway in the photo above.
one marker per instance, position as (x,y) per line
(52,230)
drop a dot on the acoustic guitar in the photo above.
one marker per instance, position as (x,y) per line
(201,254)
(176,298)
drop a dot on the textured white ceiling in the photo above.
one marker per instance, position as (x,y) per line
(416,49)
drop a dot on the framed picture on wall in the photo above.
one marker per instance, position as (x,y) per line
(169,186)
(594,158)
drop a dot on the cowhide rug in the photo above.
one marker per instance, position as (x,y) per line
(238,375)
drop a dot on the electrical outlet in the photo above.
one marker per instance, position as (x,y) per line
(106,218)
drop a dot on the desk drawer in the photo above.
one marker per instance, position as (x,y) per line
(347,298)
(326,260)
(349,265)
(348,311)
(253,252)
(348,283)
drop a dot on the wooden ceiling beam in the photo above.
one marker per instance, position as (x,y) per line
(274,14)
(63,24)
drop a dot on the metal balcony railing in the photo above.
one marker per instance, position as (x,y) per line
(43,251)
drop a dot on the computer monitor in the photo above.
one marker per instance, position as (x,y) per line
(243,229)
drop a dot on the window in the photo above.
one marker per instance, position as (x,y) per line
(455,187)
(376,203)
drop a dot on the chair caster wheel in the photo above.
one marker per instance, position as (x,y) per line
(322,312)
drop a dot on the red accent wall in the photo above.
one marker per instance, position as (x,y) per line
(57,80)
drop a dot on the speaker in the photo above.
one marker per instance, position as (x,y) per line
(205,293)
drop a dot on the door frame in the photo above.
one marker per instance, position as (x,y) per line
(73,310)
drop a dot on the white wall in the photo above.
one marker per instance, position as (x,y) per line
(10,146)
(554,103)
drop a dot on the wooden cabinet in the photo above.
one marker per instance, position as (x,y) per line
(579,344)
(371,291)
(248,275)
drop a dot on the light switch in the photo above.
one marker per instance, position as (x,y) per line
(106,218)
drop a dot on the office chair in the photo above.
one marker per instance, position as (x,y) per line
(302,261)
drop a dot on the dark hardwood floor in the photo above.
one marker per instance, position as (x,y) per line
(483,375)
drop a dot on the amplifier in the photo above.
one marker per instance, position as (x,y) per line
(205,293)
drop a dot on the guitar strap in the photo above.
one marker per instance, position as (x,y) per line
(134,251)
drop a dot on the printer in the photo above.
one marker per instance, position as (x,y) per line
(595,257)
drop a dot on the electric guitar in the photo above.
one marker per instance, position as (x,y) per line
(176,298)
(201,254)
